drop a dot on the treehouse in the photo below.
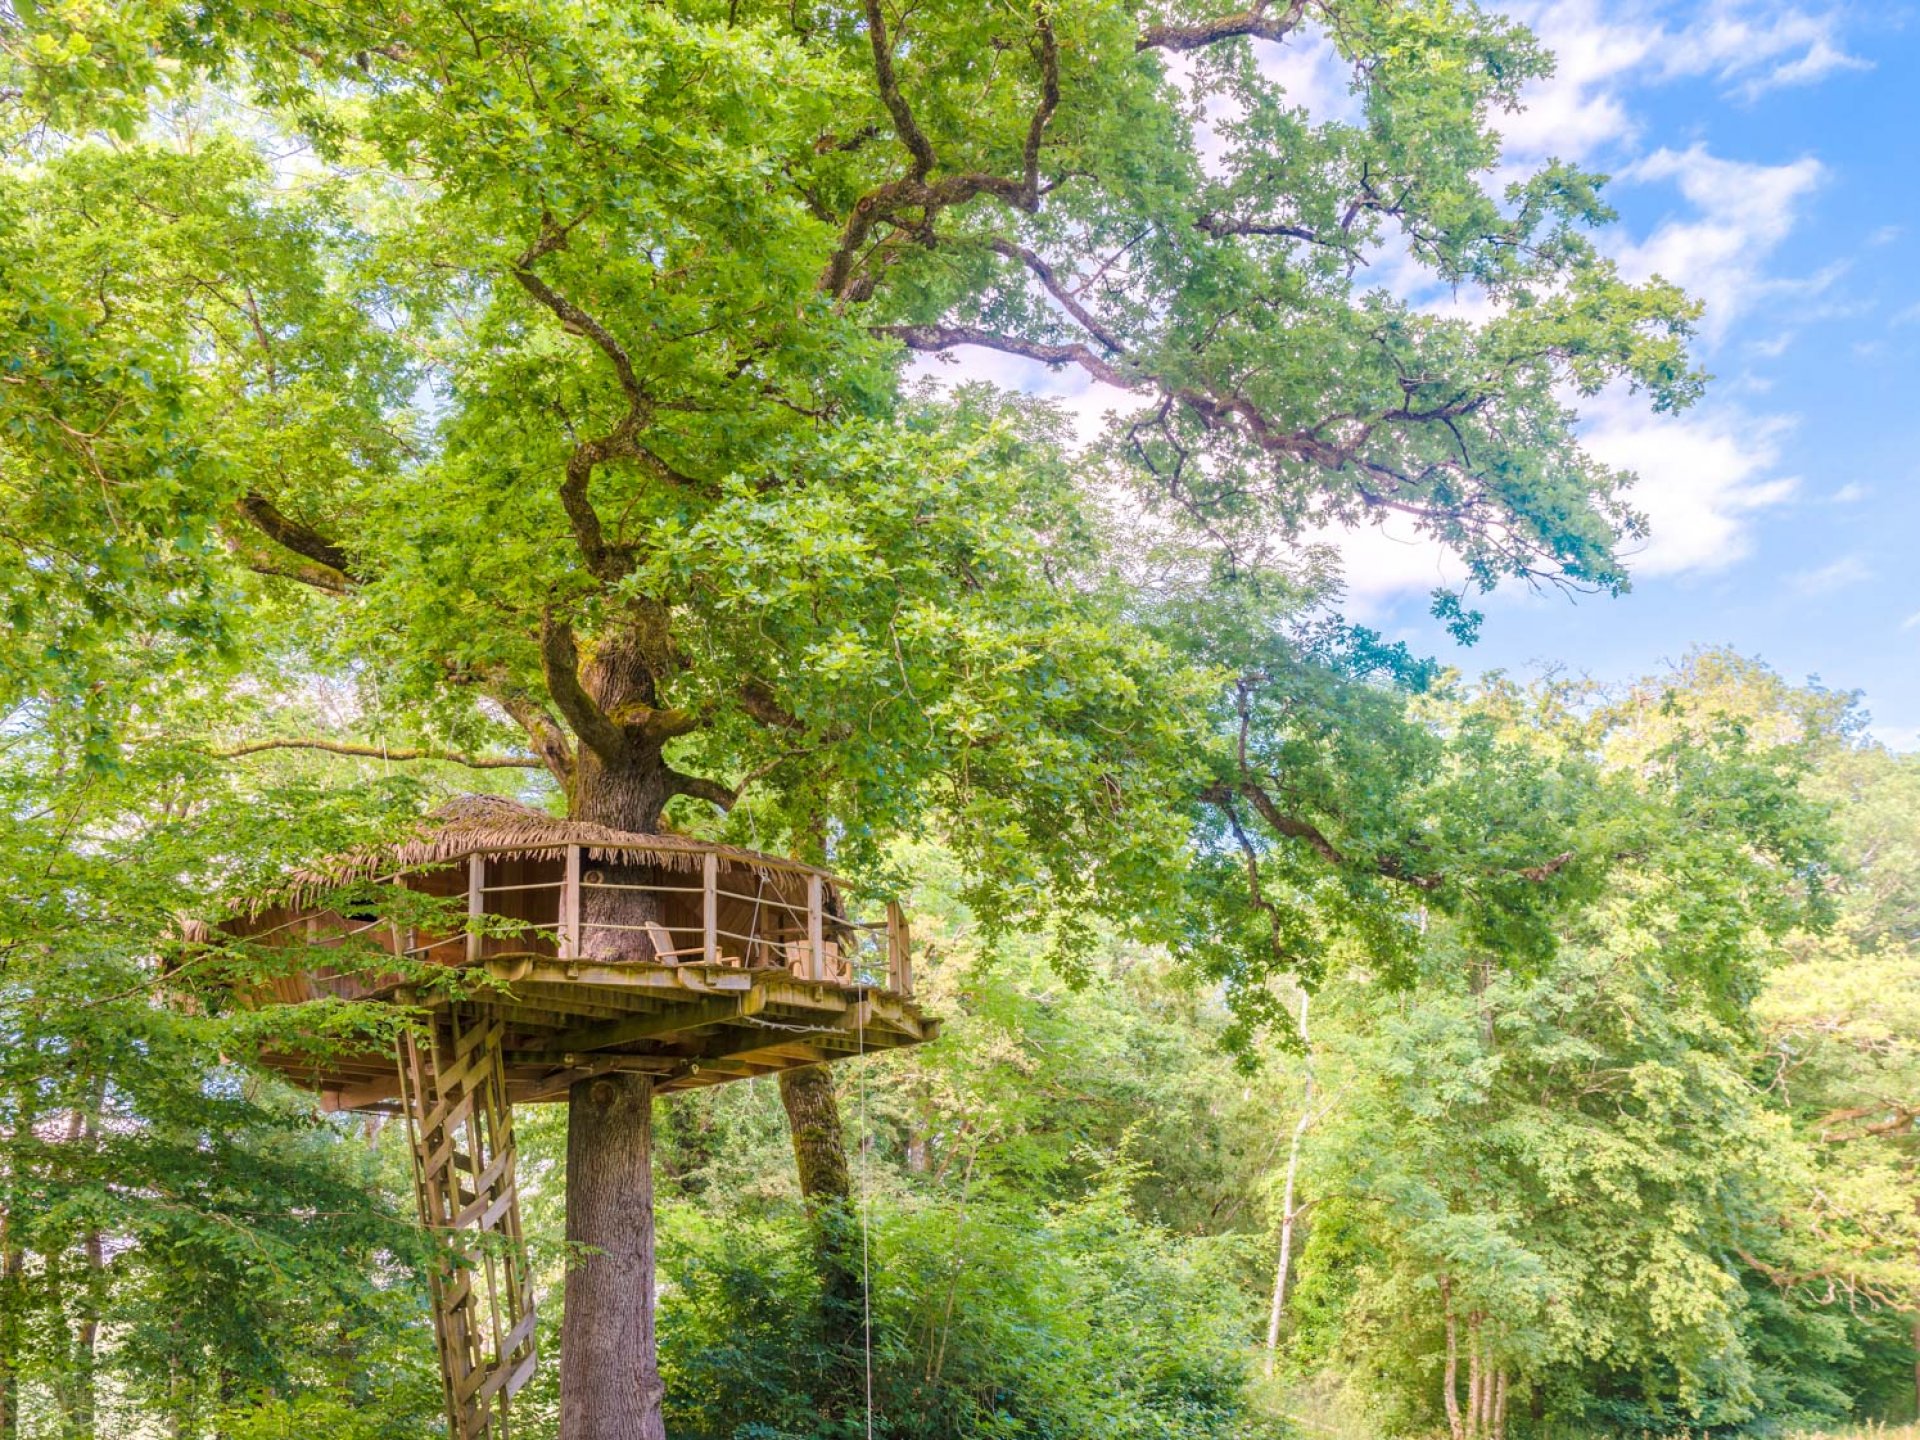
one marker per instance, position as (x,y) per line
(578,951)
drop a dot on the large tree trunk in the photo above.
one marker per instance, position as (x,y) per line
(609,1369)
(609,1374)
(625,796)
(826,1186)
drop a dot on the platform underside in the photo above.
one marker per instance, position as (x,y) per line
(687,1026)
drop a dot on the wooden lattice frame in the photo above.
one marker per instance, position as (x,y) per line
(453,1089)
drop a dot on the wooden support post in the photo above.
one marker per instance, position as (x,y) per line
(570,907)
(816,943)
(476,904)
(710,908)
(899,950)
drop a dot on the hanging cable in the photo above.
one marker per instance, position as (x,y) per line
(866,1200)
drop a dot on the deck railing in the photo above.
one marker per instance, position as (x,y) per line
(809,940)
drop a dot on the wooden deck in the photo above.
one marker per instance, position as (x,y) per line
(687,1025)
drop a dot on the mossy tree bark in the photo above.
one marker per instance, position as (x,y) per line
(609,1373)
(826,1187)
(618,776)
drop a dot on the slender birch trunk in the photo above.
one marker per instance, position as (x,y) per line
(1450,1379)
(1288,1214)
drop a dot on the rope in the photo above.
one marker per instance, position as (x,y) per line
(866,1205)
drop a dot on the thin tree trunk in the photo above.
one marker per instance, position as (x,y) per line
(12,1274)
(1476,1379)
(86,1337)
(13,1270)
(826,1187)
(609,1376)
(1287,1213)
(1500,1405)
(76,1386)
(1450,1378)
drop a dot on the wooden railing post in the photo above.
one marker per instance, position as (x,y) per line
(476,904)
(899,949)
(710,907)
(570,907)
(816,940)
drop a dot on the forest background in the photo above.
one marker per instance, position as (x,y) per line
(1334,1043)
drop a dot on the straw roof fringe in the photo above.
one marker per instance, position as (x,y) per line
(507,830)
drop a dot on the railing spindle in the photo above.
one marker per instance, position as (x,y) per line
(899,949)
(570,907)
(476,903)
(710,907)
(816,944)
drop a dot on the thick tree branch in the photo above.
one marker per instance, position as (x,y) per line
(1279,821)
(547,736)
(383,752)
(302,539)
(916,195)
(560,664)
(904,125)
(1259,21)
(300,571)
(758,700)
(700,788)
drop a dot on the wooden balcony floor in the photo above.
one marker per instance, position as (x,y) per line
(688,1026)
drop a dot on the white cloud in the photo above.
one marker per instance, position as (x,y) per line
(1912,622)
(1085,402)
(1896,737)
(1839,574)
(1822,58)
(1314,76)
(1850,493)
(1604,50)
(1742,212)
(1703,477)
(1379,563)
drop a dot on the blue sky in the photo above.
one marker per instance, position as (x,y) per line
(1763,155)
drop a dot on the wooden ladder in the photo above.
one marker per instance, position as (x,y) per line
(453,1087)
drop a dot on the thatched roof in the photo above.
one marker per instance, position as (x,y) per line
(505,829)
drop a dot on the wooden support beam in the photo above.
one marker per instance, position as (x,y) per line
(586,1039)
(356,1097)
